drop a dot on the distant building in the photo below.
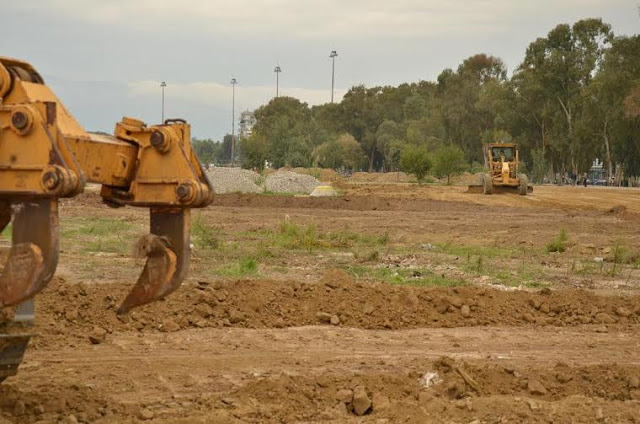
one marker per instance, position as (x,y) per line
(597,172)
(247,121)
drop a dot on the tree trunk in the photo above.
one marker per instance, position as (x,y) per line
(373,149)
(572,147)
(607,147)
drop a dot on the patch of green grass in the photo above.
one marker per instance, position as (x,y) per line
(107,245)
(266,192)
(559,243)
(619,255)
(206,236)
(587,267)
(243,268)
(98,227)
(367,256)
(290,235)
(345,238)
(406,276)
(536,285)
(107,235)
(495,251)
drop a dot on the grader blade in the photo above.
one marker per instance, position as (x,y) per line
(167,253)
(34,253)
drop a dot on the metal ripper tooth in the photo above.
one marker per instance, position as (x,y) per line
(19,279)
(34,254)
(167,253)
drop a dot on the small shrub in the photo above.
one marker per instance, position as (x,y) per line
(619,255)
(368,256)
(559,243)
(206,236)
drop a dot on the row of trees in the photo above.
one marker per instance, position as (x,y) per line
(575,97)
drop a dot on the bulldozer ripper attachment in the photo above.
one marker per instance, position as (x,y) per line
(167,253)
(45,155)
(12,348)
(33,256)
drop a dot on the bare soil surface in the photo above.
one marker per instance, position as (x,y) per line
(392,304)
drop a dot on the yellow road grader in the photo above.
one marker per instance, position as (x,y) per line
(46,155)
(503,161)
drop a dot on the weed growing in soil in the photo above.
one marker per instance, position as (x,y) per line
(206,236)
(406,276)
(496,251)
(291,235)
(243,268)
(98,227)
(105,235)
(619,255)
(559,243)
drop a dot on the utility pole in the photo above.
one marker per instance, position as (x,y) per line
(333,70)
(233,120)
(163,85)
(277,71)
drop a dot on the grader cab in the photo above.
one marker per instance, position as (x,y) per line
(46,155)
(503,162)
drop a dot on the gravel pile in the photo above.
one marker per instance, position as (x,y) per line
(234,180)
(291,182)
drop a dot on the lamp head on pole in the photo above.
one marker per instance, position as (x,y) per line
(278,69)
(333,54)
(163,84)
(233,81)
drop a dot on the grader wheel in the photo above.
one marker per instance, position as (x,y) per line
(523,186)
(487,184)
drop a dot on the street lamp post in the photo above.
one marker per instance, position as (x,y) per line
(277,71)
(333,70)
(233,120)
(163,85)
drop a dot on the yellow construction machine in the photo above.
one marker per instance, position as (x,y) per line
(46,155)
(503,161)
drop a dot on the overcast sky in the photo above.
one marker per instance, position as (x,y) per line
(106,58)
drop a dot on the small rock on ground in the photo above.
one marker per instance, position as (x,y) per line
(361,402)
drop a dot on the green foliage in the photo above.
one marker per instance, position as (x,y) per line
(559,243)
(415,160)
(574,98)
(339,152)
(212,152)
(205,235)
(540,166)
(448,161)
(406,276)
(243,268)
(253,152)
(619,255)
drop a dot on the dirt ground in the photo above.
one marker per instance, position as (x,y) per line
(393,303)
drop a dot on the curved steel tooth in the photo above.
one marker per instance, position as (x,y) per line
(19,279)
(34,254)
(167,252)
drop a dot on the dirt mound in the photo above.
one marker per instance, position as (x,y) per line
(70,404)
(83,310)
(380,177)
(465,178)
(445,390)
(361,202)
(617,210)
